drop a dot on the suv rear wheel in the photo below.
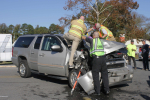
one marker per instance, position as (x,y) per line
(24,69)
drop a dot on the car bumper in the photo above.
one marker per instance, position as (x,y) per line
(116,76)
(15,61)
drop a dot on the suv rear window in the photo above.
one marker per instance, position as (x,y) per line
(24,42)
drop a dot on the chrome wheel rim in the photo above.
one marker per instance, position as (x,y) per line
(73,78)
(22,69)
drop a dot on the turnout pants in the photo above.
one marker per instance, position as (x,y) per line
(133,59)
(145,63)
(99,65)
(75,43)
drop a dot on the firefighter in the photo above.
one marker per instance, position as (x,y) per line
(104,32)
(77,29)
(99,63)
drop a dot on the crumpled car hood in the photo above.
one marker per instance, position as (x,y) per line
(109,46)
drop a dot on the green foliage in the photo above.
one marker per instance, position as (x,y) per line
(55,29)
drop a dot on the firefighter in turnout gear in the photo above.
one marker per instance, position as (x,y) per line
(99,63)
(104,32)
(77,29)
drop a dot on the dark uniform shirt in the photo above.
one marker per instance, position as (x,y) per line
(145,50)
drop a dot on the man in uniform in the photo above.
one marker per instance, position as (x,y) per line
(99,63)
(77,29)
(145,55)
(104,32)
(131,53)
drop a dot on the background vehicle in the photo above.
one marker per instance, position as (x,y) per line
(5,47)
(49,55)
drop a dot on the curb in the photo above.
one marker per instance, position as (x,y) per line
(7,66)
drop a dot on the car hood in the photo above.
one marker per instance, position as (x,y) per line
(109,46)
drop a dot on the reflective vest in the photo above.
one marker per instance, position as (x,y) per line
(77,27)
(109,33)
(97,48)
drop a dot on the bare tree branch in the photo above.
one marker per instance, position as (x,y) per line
(102,5)
(107,17)
(89,22)
(91,6)
(105,9)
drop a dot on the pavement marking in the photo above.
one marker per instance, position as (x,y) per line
(9,76)
(7,66)
(3,96)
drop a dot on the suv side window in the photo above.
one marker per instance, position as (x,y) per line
(48,42)
(24,42)
(37,43)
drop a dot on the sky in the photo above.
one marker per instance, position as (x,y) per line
(44,12)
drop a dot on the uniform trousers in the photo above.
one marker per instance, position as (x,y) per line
(145,63)
(99,65)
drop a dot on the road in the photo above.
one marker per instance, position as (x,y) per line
(13,87)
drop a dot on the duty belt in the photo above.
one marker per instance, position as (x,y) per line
(95,56)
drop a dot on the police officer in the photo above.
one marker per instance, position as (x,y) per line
(98,63)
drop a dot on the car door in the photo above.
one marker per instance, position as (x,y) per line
(51,62)
(34,54)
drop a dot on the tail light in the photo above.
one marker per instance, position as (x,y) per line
(12,50)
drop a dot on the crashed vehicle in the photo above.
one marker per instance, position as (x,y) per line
(49,54)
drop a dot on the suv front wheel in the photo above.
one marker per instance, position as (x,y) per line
(24,69)
(72,77)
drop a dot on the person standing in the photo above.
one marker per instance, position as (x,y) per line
(145,55)
(99,63)
(131,53)
(77,29)
(104,32)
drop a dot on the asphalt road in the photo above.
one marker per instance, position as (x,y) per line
(13,87)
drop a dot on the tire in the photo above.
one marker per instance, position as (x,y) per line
(24,69)
(72,77)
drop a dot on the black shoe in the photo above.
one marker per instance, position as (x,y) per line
(106,92)
(96,94)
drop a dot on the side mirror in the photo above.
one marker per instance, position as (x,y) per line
(56,48)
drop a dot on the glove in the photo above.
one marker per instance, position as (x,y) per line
(86,33)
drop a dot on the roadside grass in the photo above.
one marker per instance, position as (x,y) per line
(5,63)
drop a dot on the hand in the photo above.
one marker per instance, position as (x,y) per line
(86,33)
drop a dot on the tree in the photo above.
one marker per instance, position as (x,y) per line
(24,28)
(17,32)
(10,29)
(3,28)
(56,29)
(36,30)
(116,12)
(30,29)
(40,30)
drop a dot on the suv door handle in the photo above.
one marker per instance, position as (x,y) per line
(32,52)
(42,54)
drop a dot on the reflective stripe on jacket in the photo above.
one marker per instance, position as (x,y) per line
(109,33)
(97,48)
(77,28)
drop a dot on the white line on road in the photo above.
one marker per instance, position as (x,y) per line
(3,96)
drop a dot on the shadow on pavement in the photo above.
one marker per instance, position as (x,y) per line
(79,94)
(49,79)
(148,81)
(145,97)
